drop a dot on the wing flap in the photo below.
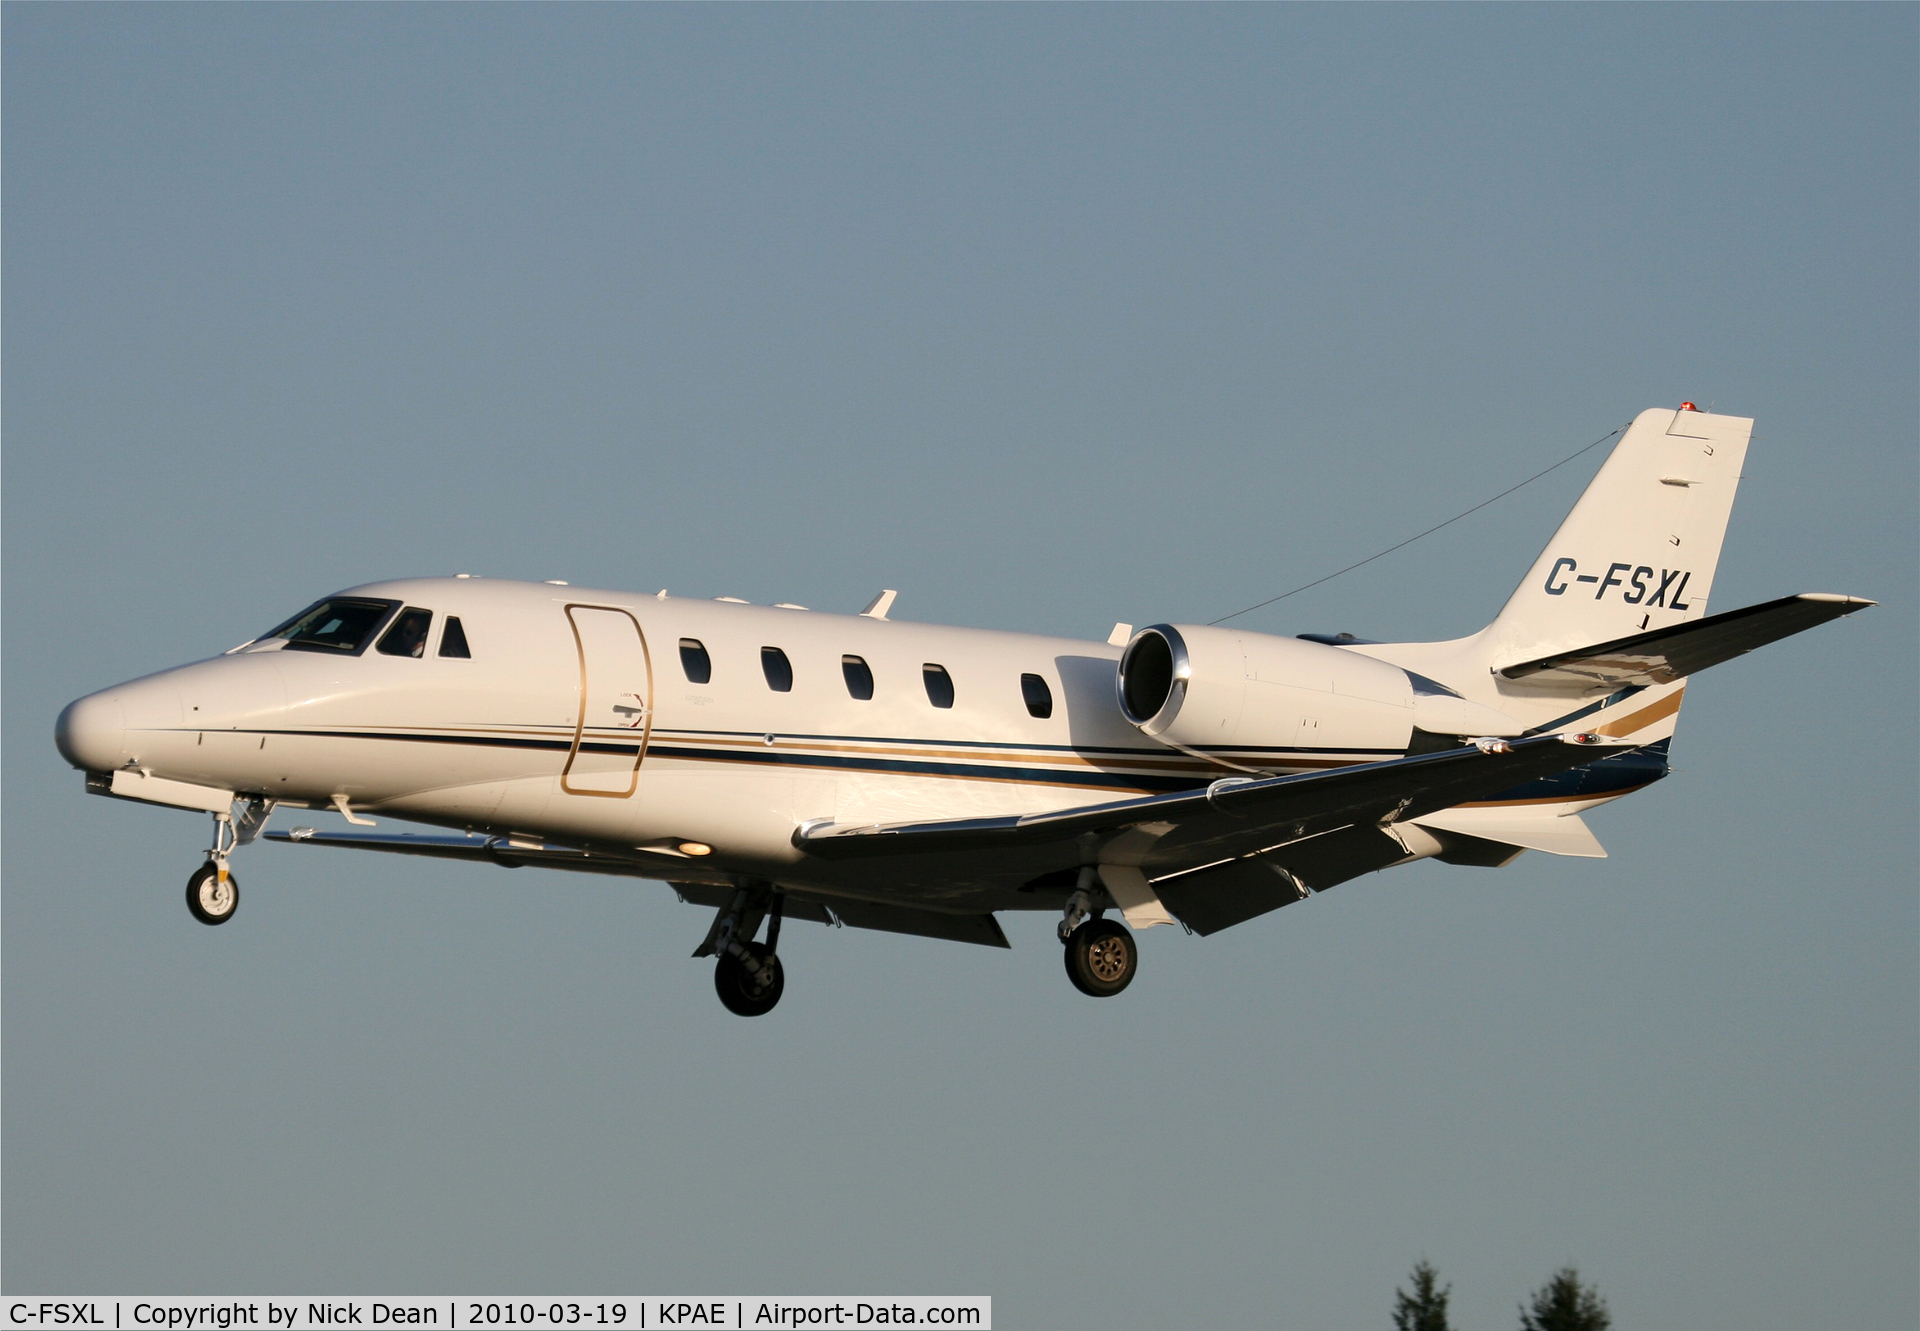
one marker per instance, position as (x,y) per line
(1223,895)
(1562,834)
(1209,900)
(955,928)
(1664,655)
(980,928)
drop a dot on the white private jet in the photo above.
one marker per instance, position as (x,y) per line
(775,762)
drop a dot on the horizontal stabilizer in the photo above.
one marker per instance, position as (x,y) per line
(1664,655)
(1562,834)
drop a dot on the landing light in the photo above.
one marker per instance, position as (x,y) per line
(695,848)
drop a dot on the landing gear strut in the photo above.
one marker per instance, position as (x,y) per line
(213,893)
(748,976)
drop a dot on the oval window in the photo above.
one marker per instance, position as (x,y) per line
(858,676)
(778,670)
(1038,696)
(695,661)
(939,684)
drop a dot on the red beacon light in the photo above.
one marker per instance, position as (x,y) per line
(1688,406)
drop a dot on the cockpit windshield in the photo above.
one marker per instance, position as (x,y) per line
(342,624)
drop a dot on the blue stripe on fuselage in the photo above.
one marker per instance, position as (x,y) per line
(1615,774)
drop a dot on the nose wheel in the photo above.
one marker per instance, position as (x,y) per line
(1101,958)
(213,893)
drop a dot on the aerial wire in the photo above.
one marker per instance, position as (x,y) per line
(1428,532)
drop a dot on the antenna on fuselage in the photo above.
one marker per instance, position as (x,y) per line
(877,608)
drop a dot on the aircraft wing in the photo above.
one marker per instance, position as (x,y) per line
(1664,655)
(1218,855)
(1230,818)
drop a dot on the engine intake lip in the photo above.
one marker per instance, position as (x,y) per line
(1152,678)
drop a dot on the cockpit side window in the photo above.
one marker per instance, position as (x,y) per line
(408,636)
(342,624)
(453,640)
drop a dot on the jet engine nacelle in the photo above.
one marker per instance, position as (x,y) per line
(1197,687)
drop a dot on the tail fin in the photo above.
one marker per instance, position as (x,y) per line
(1638,551)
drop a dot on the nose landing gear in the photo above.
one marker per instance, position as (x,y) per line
(213,893)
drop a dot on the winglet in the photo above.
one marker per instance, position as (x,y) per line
(877,608)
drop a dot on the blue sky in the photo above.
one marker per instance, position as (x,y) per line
(1049,317)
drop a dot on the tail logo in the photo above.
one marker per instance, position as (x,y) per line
(1634,584)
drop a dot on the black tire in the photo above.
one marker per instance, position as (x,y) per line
(738,990)
(1101,958)
(205,899)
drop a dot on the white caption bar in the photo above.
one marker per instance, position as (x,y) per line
(614,1312)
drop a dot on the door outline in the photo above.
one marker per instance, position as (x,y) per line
(580,721)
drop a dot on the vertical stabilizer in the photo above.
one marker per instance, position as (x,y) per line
(1639,550)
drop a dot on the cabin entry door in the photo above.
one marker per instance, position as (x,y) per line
(615,721)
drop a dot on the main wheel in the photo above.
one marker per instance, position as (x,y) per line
(210,900)
(743,995)
(1100,958)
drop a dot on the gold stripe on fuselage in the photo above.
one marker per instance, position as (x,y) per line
(1643,718)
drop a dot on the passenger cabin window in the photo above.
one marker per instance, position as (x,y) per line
(939,684)
(343,625)
(408,636)
(1039,697)
(453,640)
(778,670)
(695,661)
(859,678)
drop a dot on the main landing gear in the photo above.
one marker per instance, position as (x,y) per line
(213,893)
(748,976)
(1101,956)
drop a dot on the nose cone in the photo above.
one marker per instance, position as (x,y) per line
(92,732)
